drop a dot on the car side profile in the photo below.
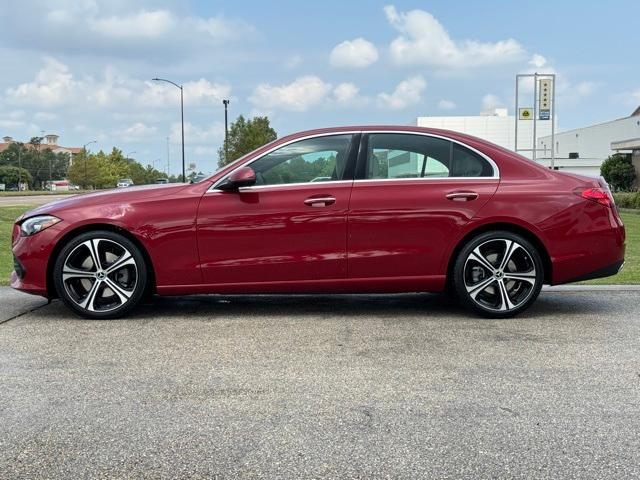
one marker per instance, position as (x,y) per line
(338,210)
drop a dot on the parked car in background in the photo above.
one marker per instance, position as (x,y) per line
(162,181)
(338,210)
(124,183)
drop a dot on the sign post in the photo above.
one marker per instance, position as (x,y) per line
(544,109)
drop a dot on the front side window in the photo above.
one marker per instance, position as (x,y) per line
(401,155)
(319,159)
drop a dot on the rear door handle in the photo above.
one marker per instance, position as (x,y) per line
(462,196)
(319,201)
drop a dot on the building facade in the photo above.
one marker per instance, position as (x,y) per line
(50,142)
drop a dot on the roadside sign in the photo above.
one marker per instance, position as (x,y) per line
(3,187)
(525,113)
(544,114)
(545,94)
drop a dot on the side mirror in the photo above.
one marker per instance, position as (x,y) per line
(243,177)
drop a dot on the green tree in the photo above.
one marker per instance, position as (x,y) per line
(10,175)
(245,136)
(619,172)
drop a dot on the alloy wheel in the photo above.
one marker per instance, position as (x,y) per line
(100,275)
(500,275)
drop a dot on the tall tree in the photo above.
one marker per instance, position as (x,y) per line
(245,136)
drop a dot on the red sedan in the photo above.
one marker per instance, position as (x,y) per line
(340,210)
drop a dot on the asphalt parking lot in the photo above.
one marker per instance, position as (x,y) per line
(403,386)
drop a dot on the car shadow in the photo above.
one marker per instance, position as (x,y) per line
(398,307)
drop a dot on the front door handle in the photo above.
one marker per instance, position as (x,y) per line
(319,201)
(462,196)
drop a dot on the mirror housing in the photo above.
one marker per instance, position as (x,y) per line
(243,177)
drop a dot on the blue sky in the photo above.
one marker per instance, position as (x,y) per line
(81,68)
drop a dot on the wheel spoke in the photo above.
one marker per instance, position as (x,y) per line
(87,303)
(69,273)
(509,248)
(528,277)
(505,301)
(478,257)
(122,294)
(475,289)
(92,247)
(123,261)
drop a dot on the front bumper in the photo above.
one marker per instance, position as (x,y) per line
(31,260)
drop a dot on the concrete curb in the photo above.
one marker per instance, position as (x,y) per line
(591,288)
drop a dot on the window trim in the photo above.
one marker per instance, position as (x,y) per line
(361,152)
(362,159)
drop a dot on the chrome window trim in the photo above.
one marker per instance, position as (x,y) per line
(494,166)
(496,169)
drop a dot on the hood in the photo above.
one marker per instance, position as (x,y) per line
(128,194)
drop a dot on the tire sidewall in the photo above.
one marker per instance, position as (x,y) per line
(125,242)
(458,273)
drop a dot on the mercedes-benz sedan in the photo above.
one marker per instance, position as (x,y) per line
(339,210)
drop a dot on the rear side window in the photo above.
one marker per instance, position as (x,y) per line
(397,155)
(467,163)
(401,155)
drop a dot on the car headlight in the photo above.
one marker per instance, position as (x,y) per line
(33,225)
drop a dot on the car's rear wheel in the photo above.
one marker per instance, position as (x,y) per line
(498,274)
(100,274)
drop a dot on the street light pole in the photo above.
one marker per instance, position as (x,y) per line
(84,155)
(181,116)
(226,130)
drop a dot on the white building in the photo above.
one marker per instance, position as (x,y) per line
(496,126)
(584,149)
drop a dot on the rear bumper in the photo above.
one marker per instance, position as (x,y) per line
(607,271)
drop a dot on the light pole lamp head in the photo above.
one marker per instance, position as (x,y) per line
(226,102)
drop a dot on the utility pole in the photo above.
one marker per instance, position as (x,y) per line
(226,130)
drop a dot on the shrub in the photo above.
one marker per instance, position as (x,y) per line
(627,199)
(619,172)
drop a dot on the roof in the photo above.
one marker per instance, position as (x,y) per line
(48,146)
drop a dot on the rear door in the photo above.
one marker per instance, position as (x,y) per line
(411,196)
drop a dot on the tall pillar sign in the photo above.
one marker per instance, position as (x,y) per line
(544,107)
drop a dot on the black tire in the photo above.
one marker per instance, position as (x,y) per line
(115,292)
(483,285)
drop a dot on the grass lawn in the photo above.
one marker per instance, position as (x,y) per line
(30,193)
(630,274)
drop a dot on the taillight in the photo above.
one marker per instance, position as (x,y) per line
(596,194)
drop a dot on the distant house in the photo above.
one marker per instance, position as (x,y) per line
(50,143)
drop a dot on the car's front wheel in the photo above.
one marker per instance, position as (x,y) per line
(100,274)
(498,274)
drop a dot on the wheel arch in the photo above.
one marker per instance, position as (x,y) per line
(509,227)
(151,276)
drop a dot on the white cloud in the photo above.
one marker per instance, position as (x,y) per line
(119,29)
(537,61)
(424,41)
(358,53)
(491,102)
(446,105)
(408,92)
(145,24)
(56,86)
(345,92)
(196,134)
(137,132)
(297,96)
(45,116)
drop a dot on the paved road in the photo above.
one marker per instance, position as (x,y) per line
(405,386)
(30,199)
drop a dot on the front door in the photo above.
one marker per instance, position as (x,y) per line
(291,226)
